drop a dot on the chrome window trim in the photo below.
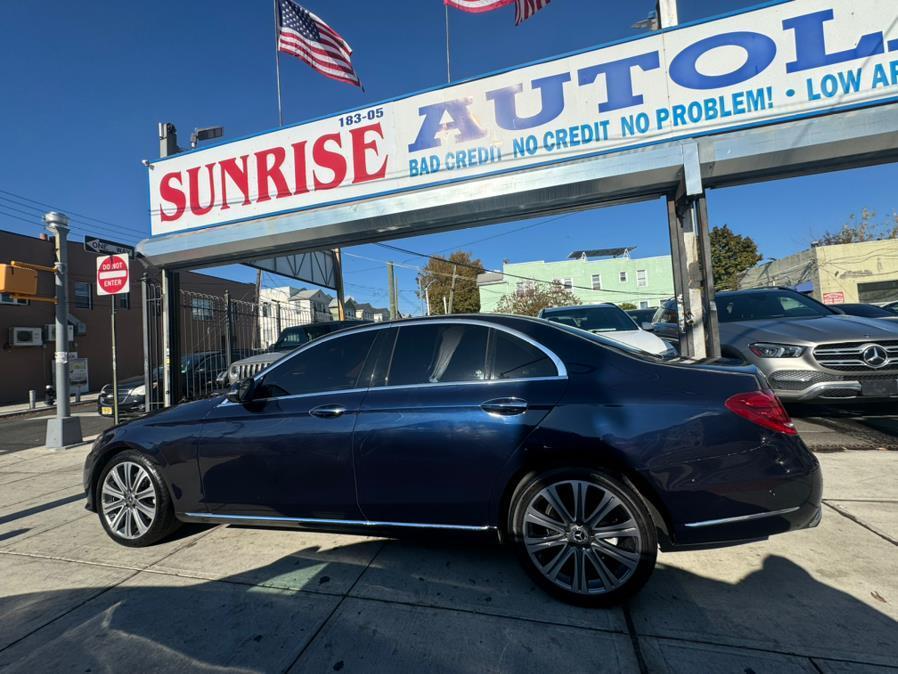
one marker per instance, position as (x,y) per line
(559,365)
(740,518)
(355,523)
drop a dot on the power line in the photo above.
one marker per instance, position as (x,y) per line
(69,212)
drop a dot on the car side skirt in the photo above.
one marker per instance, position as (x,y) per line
(327,523)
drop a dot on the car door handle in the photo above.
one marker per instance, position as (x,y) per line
(505,407)
(327,411)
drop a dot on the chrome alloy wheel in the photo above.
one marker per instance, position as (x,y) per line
(582,537)
(128,500)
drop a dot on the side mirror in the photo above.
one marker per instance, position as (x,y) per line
(242,392)
(648,327)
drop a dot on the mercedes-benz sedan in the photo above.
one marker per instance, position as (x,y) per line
(584,454)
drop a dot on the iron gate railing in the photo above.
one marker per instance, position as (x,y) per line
(214,332)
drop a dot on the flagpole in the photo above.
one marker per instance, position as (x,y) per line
(277,62)
(448,62)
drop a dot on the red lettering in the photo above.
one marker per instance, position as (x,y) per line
(272,172)
(172,195)
(299,168)
(360,147)
(240,177)
(193,181)
(329,159)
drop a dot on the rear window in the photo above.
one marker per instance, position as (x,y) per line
(594,319)
(767,305)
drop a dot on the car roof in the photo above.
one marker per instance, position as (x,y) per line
(582,306)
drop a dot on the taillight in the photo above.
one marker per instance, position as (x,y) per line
(762,408)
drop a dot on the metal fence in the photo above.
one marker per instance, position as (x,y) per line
(214,332)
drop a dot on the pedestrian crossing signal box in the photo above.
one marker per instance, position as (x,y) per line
(15,280)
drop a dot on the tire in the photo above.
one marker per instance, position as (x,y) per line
(146,514)
(569,551)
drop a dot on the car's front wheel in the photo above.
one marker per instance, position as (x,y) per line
(133,503)
(583,535)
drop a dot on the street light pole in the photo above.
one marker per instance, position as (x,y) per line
(63,429)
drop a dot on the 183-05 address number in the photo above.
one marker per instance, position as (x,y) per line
(358,117)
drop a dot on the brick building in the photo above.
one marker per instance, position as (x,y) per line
(26,367)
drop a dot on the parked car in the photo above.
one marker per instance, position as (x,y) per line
(289,339)
(641,316)
(612,322)
(866,311)
(891,306)
(544,435)
(197,373)
(132,395)
(808,351)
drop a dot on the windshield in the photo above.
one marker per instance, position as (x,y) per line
(593,319)
(766,305)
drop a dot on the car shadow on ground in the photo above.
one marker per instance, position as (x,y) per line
(155,621)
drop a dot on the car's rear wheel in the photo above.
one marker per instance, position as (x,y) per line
(583,535)
(133,503)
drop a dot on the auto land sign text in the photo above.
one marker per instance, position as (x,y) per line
(803,57)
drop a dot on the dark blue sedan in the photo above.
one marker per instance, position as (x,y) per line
(584,454)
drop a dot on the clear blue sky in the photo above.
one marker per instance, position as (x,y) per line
(85,83)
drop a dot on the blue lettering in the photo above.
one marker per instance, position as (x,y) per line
(549,141)
(661,117)
(413,168)
(461,120)
(619,79)
(552,103)
(810,43)
(761,51)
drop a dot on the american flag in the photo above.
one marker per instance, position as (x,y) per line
(524,9)
(478,5)
(308,38)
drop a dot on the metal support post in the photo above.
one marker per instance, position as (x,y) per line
(112,299)
(338,282)
(63,429)
(145,311)
(228,328)
(171,337)
(668,16)
(693,277)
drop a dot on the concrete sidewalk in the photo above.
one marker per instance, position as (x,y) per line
(17,409)
(236,599)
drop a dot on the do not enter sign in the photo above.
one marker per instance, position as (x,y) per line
(112,275)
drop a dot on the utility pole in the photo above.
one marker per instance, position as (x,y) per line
(171,299)
(63,429)
(394,295)
(452,288)
(112,298)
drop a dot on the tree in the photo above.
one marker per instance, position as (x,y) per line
(627,306)
(534,297)
(731,255)
(437,278)
(865,228)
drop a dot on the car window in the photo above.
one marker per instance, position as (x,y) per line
(440,353)
(291,338)
(667,313)
(513,358)
(333,365)
(767,305)
(594,319)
